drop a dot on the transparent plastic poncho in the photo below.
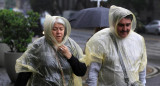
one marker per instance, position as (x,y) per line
(40,58)
(100,48)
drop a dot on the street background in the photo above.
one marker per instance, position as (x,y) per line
(144,10)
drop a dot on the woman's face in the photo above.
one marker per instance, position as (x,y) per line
(58,32)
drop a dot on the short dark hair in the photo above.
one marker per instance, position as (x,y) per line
(129,17)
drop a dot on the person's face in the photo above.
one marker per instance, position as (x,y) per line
(124,27)
(58,32)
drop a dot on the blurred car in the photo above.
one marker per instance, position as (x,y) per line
(153,27)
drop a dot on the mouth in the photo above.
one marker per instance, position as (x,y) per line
(58,37)
(124,32)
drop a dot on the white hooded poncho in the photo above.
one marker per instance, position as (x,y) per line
(40,58)
(100,48)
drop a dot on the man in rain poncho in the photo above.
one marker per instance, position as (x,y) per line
(101,53)
(52,60)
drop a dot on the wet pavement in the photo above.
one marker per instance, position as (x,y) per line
(4,79)
(81,36)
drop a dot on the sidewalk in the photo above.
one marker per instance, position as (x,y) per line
(4,79)
(151,73)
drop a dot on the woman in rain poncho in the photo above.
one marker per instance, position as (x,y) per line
(101,54)
(52,60)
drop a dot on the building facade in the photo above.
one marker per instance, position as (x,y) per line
(151,12)
(2,4)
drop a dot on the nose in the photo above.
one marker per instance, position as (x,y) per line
(125,27)
(58,31)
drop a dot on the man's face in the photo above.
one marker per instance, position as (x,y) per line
(124,27)
(58,32)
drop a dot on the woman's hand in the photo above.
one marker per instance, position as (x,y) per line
(65,51)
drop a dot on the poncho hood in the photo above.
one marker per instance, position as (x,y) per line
(48,25)
(115,15)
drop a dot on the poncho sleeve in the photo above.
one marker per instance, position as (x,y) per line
(29,61)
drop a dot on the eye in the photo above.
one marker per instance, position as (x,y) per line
(121,25)
(54,29)
(61,28)
(128,24)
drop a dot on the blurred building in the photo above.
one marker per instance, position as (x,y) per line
(151,12)
(2,4)
(19,5)
(23,5)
